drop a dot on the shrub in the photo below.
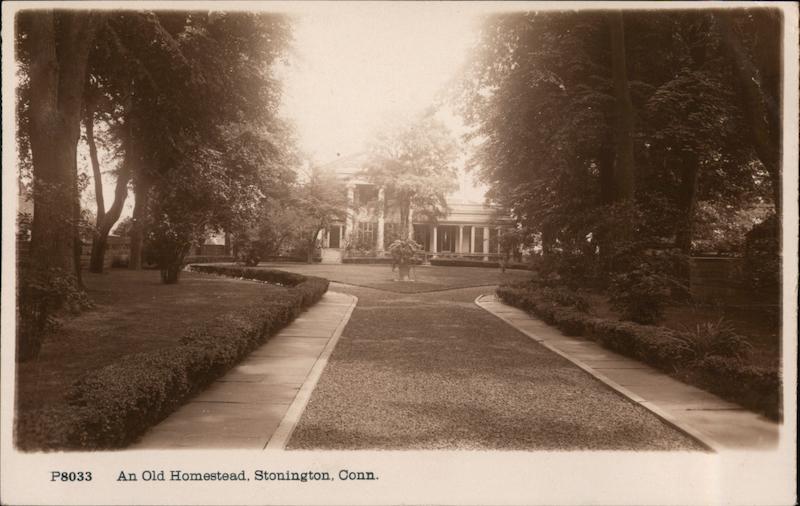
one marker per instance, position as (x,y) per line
(640,294)
(762,257)
(561,268)
(469,262)
(718,339)
(111,407)
(42,293)
(566,297)
(757,388)
(658,346)
(463,262)
(717,368)
(372,260)
(201,259)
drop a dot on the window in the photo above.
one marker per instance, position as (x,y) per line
(365,235)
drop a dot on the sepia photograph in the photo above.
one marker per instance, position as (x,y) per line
(380,252)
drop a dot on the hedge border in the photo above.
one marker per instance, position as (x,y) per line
(209,259)
(466,262)
(375,260)
(112,406)
(756,388)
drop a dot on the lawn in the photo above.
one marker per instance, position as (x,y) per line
(134,312)
(428,278)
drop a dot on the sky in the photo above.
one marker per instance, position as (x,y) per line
(354,66)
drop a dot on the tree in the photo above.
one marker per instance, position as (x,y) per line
(202,105)
(752,41)
(414,163)
(54,46)
(624,163)
(587,124)
(100,107)
(321,200)
(52,49)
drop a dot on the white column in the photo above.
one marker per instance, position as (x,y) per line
(472,239)
(498,239)
(485,242)
(411,223)
(460,245)
(379,240)
(434,247)
(349,221)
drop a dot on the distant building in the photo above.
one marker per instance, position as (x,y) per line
(469,229)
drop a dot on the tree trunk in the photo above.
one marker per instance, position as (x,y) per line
(311,243)
(110,218)
(98,243)
(762,102)
(59,47)
(548,241)
(605,166)
(170,274)
(228,250)
(58,44)
(142,193)
(688,197)
(88,122)
(624,169)
(97,259)
(77,242)
(405,208)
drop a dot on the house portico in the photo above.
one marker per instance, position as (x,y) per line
(469,229)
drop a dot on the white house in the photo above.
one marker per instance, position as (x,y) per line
(470,229)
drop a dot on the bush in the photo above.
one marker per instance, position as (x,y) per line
(718,369)
(463,262)
(658,346)
(371,260)
(715,339)
(762,257)
(199,259)
(570,269)
(111,407)
(640,294)
(42,294)
(757,388)
(566,297)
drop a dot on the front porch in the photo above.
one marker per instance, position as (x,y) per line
(443,239)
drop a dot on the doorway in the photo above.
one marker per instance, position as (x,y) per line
(334,240)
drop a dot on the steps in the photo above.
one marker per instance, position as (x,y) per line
(331,256)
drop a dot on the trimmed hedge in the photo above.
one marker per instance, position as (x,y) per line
(198,259)
(466,262)
(463,262)
(111,407)
(374,260)
(753,387)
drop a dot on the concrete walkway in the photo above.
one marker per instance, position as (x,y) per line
(258,403)
(718,424)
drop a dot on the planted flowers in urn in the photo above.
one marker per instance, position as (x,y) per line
(403,253)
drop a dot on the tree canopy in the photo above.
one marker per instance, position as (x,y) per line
(414,161)
(542,102)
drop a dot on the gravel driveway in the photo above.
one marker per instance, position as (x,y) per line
(434,371)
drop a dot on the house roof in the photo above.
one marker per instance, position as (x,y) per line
(348,165)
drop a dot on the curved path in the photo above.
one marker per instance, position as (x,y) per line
(435,371)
